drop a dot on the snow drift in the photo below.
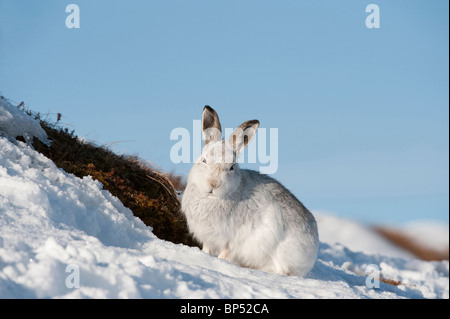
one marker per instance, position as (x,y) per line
(65,237)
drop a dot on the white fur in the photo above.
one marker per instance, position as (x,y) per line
(248,218)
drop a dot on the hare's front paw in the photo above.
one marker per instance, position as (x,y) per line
(206,249)
(224,254)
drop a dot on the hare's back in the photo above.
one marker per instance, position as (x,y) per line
(268,191)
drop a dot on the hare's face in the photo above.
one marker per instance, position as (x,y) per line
(216,172)
(220,173)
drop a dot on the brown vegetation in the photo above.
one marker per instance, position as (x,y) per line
(407,243)
(149,194)
(391,282)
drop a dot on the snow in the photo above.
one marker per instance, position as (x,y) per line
(427,233)
(344,231)
(65,237)
(14,122)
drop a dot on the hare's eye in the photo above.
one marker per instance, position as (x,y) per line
(232,168)
(204,160)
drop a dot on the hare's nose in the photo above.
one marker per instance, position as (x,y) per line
(214,183)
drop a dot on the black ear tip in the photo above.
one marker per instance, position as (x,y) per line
(209,109)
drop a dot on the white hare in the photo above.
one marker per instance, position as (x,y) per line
(243,216)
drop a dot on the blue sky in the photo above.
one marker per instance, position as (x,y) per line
(362,114)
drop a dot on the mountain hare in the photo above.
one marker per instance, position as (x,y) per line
(241,215)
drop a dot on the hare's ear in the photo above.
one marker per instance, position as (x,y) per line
(212,131)
(243,135)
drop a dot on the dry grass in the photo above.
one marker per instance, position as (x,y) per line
(412,246)
(391,282)
(149,194)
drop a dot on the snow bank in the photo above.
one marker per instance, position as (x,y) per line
(65,237)
(54,226)
(356,236)
(15,122)
(429,234)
